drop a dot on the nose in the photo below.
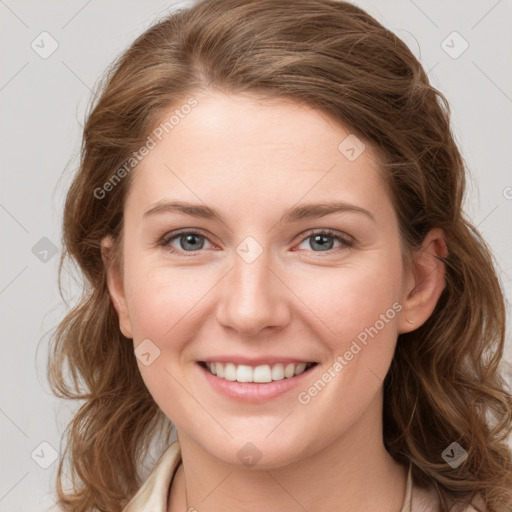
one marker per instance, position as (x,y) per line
(253,296)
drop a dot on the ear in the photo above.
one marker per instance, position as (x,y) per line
(115,285)
(425,282)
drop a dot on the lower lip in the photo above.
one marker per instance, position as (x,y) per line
(254,391)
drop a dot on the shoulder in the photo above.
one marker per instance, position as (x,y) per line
(152,495)
(427,500)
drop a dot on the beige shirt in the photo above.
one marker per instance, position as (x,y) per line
(153,494)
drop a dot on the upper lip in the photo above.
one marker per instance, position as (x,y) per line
(255,361)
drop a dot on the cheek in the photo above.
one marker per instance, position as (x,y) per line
(163,301)
(347,300)
(360,307)
(160,303)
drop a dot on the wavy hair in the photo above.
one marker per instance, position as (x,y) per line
(445,384)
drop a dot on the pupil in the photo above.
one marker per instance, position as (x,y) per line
(320,239)
(189,239)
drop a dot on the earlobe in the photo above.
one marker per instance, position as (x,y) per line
(426,282)
(115,286)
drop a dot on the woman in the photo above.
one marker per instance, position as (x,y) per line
(268,214)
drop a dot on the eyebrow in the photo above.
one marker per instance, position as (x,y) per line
(294,214)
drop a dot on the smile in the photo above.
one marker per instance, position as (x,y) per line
(257,374)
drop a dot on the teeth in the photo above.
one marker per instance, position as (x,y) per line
(300,368)
(230,371)
(262,373)
(277,372)
(289,371)
(243,373)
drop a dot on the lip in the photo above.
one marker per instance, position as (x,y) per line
(254,392)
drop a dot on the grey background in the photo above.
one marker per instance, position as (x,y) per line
(42,106)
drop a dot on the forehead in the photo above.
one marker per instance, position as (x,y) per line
(257,152)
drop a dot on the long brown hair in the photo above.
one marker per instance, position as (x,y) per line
(445,383)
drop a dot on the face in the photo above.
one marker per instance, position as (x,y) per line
(263,285)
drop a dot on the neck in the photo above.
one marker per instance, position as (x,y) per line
(355,470)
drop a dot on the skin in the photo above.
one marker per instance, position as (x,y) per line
(251,160)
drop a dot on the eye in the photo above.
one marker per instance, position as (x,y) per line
(193,241)
(322,240)
(188,241)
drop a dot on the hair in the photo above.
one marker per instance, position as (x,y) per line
(445,383)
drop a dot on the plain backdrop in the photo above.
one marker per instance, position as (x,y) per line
(52,55)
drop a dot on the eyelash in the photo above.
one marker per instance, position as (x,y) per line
(169,237)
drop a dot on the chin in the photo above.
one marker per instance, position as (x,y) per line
(258,453)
